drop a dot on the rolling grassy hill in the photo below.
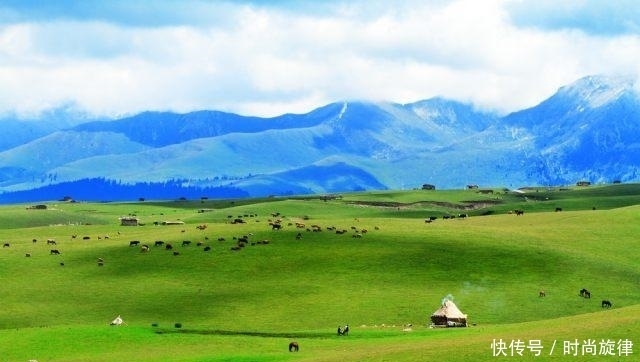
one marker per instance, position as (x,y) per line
(246,305)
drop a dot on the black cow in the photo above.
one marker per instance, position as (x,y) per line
(293,347)
(134,243)
(606,303)
(54,252)
(585,293)
(186,242)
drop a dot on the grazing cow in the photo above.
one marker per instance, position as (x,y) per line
(86,237)
(606,303)
(293,347)
(27,255)
(158,243)
(542,294)
(51,241)
(519,212)
(462,215)
(34,240)
(6,245)
(144,248)
(168,247)
(221,239)
(276,226)
(345,331)
(585,293)
(558,209)
(176,253)
(186,242)
(207,248)
(134,243)
(54,252)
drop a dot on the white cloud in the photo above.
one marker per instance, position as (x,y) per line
(271,60)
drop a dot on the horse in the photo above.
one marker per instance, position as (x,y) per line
(606,303)
(293,347)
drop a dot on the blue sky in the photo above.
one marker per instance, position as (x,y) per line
(113,58)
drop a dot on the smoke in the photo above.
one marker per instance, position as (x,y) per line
(446,298)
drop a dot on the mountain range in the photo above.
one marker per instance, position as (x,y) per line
(587,131)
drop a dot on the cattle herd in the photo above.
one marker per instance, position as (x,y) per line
(276,223)
(584,293)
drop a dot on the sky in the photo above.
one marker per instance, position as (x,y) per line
(266,58)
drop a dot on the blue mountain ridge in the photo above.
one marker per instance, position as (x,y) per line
(587,130)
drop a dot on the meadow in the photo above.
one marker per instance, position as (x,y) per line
(383,277)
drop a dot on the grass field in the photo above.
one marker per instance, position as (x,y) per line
(247,305)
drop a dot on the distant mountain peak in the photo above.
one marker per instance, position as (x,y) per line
(598,90)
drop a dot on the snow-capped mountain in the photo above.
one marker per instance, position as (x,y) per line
(586,131)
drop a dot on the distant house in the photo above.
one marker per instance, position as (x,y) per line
(129,221)
(583,183)
(428,187)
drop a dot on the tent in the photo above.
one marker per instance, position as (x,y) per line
(449,315)
(117,321)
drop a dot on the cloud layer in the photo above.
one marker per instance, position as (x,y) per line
(120,57)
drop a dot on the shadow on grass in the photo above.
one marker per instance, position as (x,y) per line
(220,332)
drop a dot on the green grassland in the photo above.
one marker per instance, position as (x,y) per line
(389,269)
